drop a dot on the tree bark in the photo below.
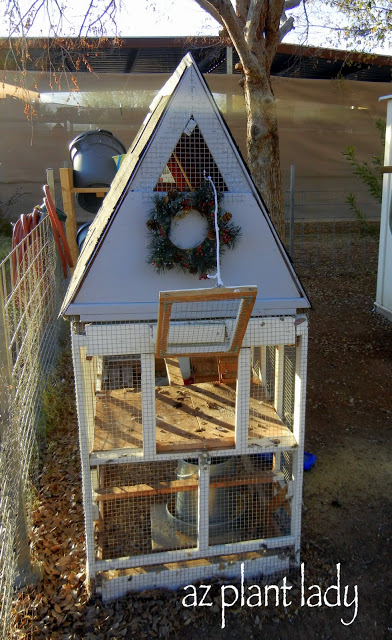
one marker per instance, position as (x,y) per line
(255,30)
(262,142)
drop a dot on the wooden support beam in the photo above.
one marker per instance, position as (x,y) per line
(209,444)
(50,183)
(66,179)
(138,490)
(99,192)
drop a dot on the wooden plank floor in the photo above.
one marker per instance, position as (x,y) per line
(187,418)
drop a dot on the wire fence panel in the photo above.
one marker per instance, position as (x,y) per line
(31,290)
(349,244)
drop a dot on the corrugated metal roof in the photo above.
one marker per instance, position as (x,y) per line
(162,55)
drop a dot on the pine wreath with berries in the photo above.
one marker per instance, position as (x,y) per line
(200,260)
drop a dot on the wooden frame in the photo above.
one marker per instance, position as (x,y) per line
(173,486)
(100,339)
(246,297)
(181,572)
(68,190)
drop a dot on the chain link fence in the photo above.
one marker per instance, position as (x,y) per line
(31,290)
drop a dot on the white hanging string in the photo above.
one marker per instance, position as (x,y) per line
(217,275)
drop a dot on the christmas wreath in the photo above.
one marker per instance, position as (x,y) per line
(200,260)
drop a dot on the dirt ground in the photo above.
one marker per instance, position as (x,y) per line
(347,515)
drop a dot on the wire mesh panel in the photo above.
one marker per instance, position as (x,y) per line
(288,385)
(31,290)
(146,508)
(112,398)
(271,413)
(194,411)
(166,485)
(189,163)
(269,356)
(246,498)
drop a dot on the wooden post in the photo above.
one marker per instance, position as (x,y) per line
(203,503)
(299,433)
(50,183)
(66,179)
(242,403)
(292,205)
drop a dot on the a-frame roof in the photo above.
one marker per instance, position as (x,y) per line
(132,187)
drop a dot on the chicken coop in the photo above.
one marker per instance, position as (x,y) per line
(189,338)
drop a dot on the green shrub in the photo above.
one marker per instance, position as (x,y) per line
(371,176)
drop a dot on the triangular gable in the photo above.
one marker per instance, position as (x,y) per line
(189,162)
(185,96)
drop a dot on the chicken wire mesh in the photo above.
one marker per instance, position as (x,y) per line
(118,409)
(190,161)
(146,508)
(137,507)
(272,386)
(188,456)
(245,498)
(31,289)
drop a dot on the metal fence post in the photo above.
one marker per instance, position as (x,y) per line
(292,202)
(5,368)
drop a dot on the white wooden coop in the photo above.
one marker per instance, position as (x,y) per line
(383,301)
(190,397)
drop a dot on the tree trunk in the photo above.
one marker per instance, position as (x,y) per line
(262,141)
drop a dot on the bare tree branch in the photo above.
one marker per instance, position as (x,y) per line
(230,20)
(272,29)
(291,4)
(89,9)
(112,13)
(242,11)
(255,21)
(207,6)
(286,27)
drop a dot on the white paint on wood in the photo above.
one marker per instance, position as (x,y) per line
(186,554)
(125,456)
(299,432)
(120,275)
(188,231)
(114,587)
(242,400)
(78,345)
(148,404)
(279,369)
(119,339)
(384,280)
(203,511)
